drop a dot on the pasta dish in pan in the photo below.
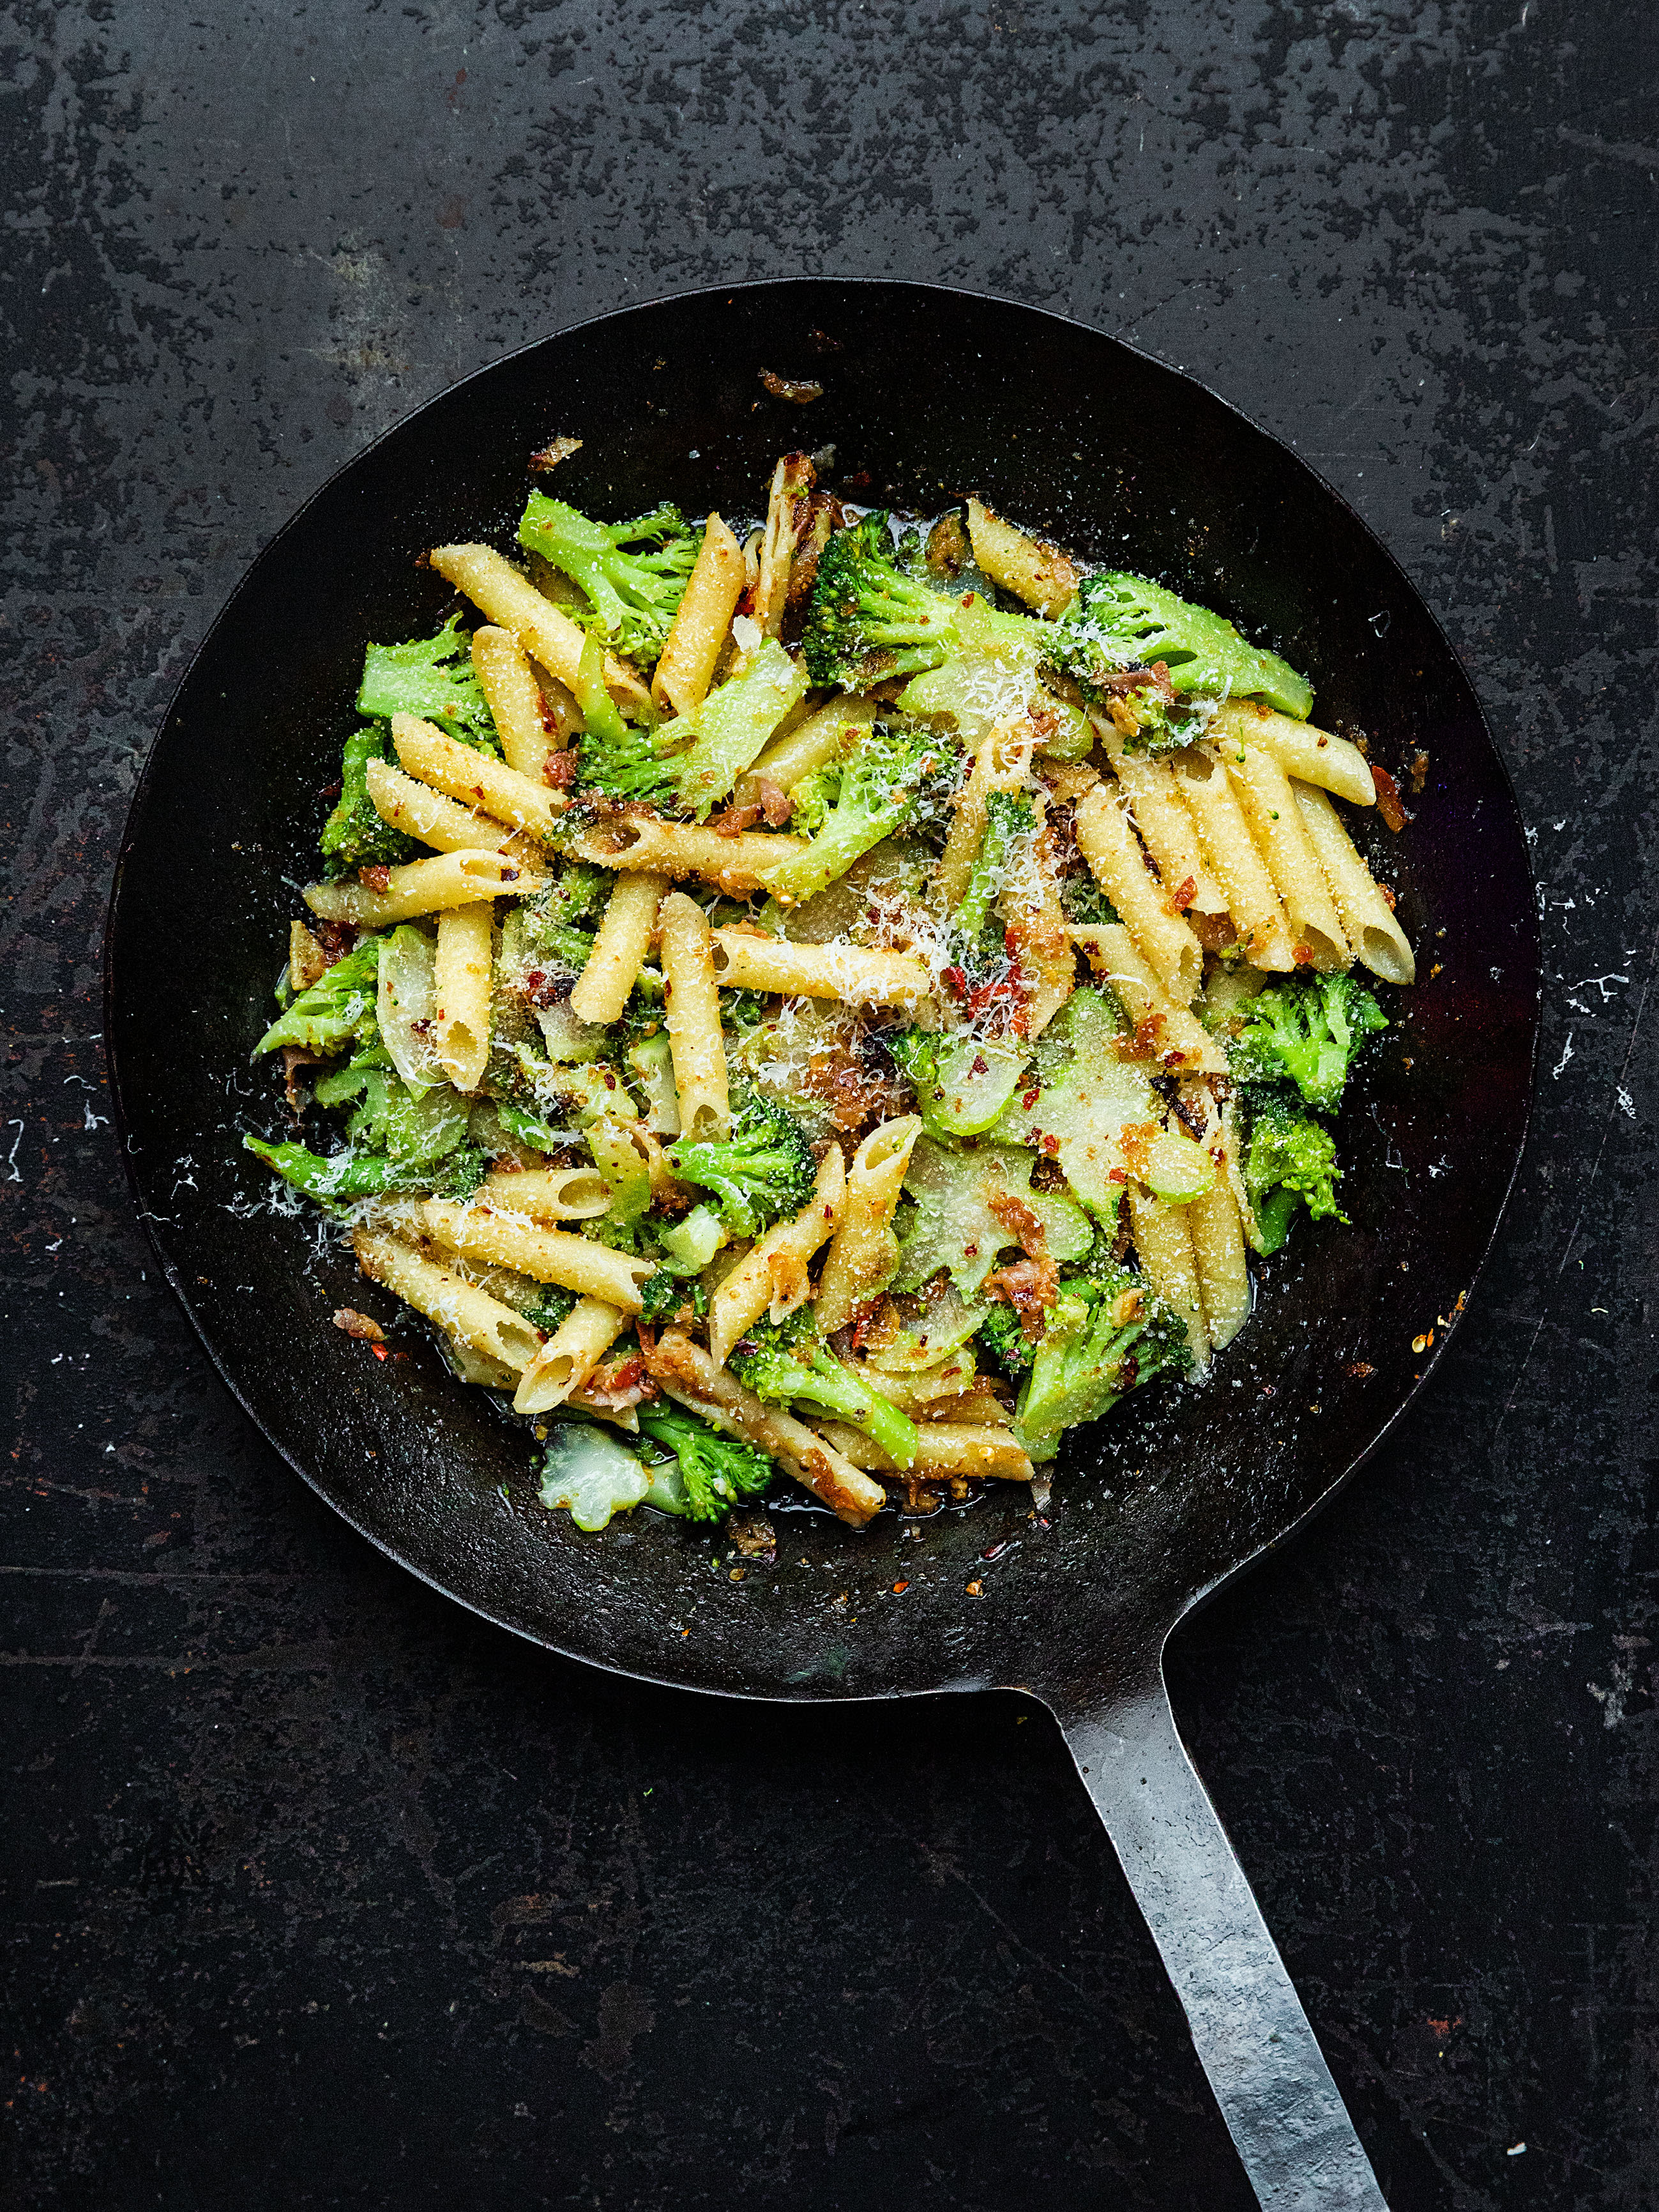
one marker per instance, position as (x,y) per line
(840,1000)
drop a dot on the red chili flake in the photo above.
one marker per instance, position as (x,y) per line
(981,1065)
(1115,1175)
(899,1589)
(1051,1147)
(1031,1096)
(374,878)
(954,979)
(1185,891)
(1387,798)
(379,1351)
(995,1551)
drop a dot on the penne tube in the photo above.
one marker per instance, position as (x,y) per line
(480,1232)
(550,1193)
(460,991)
(515,700)
(694,1379)
(1167,830)
(863,1257)
(1113,852)
(307,962)
(936,1394)
(570,1355)
(1275,822)
(1037,923)
(1179,1040)
(1042,575)
(619,946)
(1164,1243)
(1376,938)
(459,1307)
(1218,1251)
(812,743)
(476,778)
(792,480)
(692,1006)
(1000,763)
(746,961)
(736,866)
(943,1450)
(419,812)
(1313,756)
(771,1275)
(701,623)
(432,886)
(1252,899)
(511,600)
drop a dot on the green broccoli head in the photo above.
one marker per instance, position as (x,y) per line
(895,773)
(716,1472)
(1107,1334)
(1118,622)
(340,1178)
(336,1010)
(1289,1161)
(1008,818)
(762,1172)
(355,836)
(1003,1336)
(631,574)
(1309,1031)
(434,678)
(869,618)
(788,1362)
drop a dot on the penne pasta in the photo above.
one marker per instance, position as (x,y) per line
(1368,918)
(1218,1250)
(462,773)
(1178,1039)
(1264,795)
(693,1378)
(570,1355)
(1109,846)
(619,949)
(1167,829)
(1000,763)
(419,887)
(515,700)
(736,866)
(511,601)
(459,1307)
(419,812)
(702,622)
(1316,756)
(1164,1243)
(692,1003)
(460,991)
(944,1450)
(1042,575)
(745,960)
(550,1193)
(812,743)
(792,480)
(1252,898)
(863,1254)
(482,1232)
(771,1276)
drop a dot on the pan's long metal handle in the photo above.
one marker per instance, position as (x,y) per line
(1283,2110)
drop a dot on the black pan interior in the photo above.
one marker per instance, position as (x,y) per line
(927,395)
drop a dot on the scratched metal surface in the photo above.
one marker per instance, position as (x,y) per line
(317,1893)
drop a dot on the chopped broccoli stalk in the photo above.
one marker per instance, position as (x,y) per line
(1308,1032)
(787,1362)
(689,1246)
(1007,819)
(716,1472)
(1290,1160)
(1003,1336)
(734,723)
(355,836)
(633,574)
(338,1007)
(434,678)
(614,757)
(1104,1338)
(1120,622)
(337,1178)
(852,804)
(763,1170)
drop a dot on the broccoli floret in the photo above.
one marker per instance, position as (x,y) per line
(716,1472)
(1309,1031)
(847,807)
(1083,901)
(1106,1336)
(550,1308)
(1289,1159)
(1003,1336)
(763,1170)
(614,757)
(434,678)
(337,1178)
(787,1361)
(1120,622)
(355,836)
(338,1007)
(1007,819)
(869,619)
(633,574)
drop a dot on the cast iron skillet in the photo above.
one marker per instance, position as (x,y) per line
(928,394)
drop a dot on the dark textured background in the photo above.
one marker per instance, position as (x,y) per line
(319,1894)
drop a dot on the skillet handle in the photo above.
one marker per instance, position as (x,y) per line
(1283,2111)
